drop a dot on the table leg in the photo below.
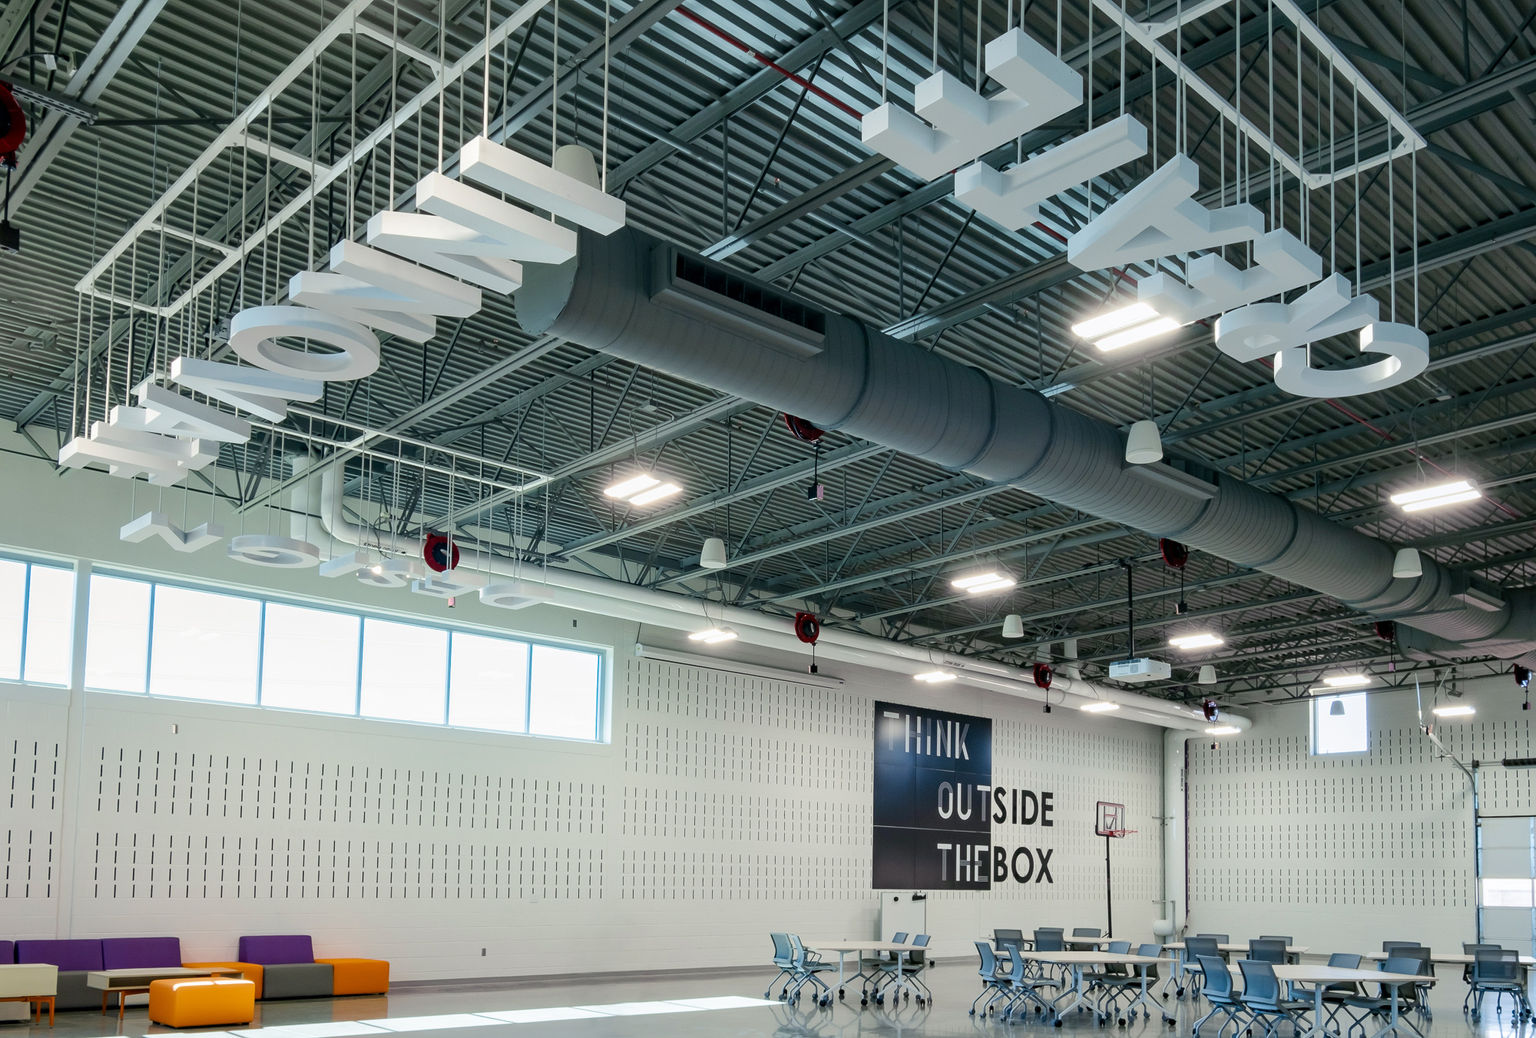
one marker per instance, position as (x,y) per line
(1144,999)
(1076,990)
(1176,975)
(122,1005)
(104,996)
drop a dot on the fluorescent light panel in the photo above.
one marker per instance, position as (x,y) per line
(713,635)
(978,582)
(632,486)
(1346,680)
(642,489)
(1455,710)
(1099,706)
(1140,333)
(654,494)
(1421,498)
(934,677)
(1223,729)
(1113,321)
(1203,640)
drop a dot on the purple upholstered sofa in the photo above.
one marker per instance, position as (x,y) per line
(74,958)
(119,953)
(7,952)
(289,969)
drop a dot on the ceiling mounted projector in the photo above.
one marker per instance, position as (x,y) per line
(1143,669)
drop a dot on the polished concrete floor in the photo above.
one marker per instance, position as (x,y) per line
(718,1004)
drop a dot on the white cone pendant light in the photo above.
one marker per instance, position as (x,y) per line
(713,555)
(1143,443)
(1407,563)
(1013,626)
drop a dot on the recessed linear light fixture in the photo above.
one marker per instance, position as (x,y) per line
(1099,706)
(981,583)
(641,490)
(1125,326)
(1223,729)
(1199,640)
(937,676)
(1422,498)
(713,635)
(1454,710)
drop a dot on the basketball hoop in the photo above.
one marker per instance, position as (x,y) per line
(1109,821)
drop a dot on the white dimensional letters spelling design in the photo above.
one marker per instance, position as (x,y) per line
(409,273)
(1160,217)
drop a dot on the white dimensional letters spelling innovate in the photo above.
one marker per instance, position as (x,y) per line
(1158,218)
(1013,198)
(961,125)
(462,233)
(1280,263)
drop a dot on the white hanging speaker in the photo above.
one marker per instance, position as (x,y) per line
(1143,443)
(713,555)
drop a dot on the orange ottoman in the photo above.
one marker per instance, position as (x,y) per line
(358,976)
(248,970)
(211,1002)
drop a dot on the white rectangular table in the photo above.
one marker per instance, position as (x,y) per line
(1319,977)
(1077,960)
(843,947)
(1181,962)
(1451,958)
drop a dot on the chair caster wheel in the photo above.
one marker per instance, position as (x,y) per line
(1056,1023)
(767,994)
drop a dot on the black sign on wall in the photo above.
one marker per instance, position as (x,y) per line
(932,785)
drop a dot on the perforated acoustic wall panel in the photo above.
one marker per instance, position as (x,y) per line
(1344,851)
(726,806)
(31,809)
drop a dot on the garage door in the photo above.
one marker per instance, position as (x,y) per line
(1507,880)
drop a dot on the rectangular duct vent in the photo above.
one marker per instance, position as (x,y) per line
(698,288)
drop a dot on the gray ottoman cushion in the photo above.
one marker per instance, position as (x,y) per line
(73,994)
(296,980)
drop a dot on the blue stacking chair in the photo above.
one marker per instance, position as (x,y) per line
(784,959)
(1499,972)
(1216,986)
(992,977)
(1266,949)
(806,965)
(1262,998)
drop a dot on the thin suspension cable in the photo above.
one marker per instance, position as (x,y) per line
(885,49)
(607,68)
(933,60)
(1273,179)
(485,85)
(352,142)
(1355,105)
(442,68)
(1333,179)
(554,93)
(394,88)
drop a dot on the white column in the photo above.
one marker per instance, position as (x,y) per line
(72,770)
